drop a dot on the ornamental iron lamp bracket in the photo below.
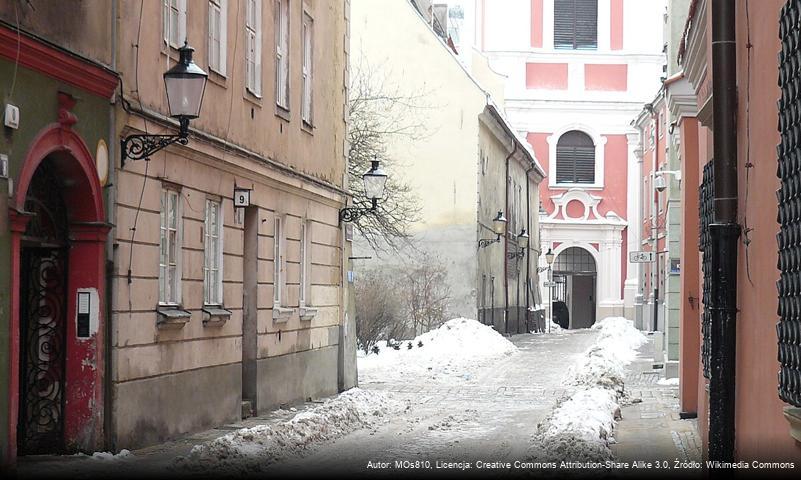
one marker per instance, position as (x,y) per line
(351,214)
(486,242)
(140,147)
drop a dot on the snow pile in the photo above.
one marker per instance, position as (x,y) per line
(110,456)
(668,381)
(250,449)
(451,352)
(580,426)
(604,364)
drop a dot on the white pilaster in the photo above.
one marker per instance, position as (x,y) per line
(604,25)
(633,232)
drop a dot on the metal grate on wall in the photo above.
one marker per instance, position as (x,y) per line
(706,194)
(789,196)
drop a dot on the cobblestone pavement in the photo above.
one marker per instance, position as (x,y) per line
(651,430)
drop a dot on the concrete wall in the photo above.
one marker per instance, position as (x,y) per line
(172,403)
(287,379)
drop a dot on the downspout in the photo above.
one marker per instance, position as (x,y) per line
(724,233)
(506,247)
(111,188)
(530,236)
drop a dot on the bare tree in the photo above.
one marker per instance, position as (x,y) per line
(427,294)
(380,112)
(379,309)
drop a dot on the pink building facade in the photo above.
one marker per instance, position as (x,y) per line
(572,92)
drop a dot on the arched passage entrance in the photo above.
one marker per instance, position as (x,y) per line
(58,283)
(574,273)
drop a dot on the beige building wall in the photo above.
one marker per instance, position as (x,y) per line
(169,381)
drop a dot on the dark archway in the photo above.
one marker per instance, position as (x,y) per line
(575,273)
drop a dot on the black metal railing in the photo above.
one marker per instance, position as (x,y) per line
(788,328)
(706,194)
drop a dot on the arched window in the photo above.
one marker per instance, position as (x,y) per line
(575,158)
(575,24)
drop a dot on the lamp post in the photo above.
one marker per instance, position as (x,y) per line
(375,183)
(549,256)
(185,84)
(498,227)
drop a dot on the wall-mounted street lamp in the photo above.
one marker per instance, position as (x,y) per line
(522,242)
(185,83)
(660,183)
(498,226)
(375,183)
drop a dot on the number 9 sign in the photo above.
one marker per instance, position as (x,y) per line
(241,197)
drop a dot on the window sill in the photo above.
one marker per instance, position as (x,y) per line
(307,313)
(218,78)
(307,127)
(583,186)
(281,314)
(282,112)
(252,97)
(793,416)
(172,317)
(215,316)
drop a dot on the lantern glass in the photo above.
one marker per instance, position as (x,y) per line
(549,257)
(499,223)
(375,181)
(522,239)
(185,83)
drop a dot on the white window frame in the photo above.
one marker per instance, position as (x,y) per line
(597,139)
(253,47)
(304,260)
(213,254)
(170,282)
(281,13)
(218,35)
(307,70)
(278,263)
(174,10)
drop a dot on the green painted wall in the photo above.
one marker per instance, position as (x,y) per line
(36,97)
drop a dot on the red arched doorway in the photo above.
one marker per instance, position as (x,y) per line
(58,283)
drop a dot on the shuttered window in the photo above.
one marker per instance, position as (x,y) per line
(575,158)
(575,24)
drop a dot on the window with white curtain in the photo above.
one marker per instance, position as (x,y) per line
(170,248)
(218,23)
(174,26)
(278,262)
(212,264)
(307,70)
(282,53)
(253,46)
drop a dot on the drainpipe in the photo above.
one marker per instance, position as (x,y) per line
(506,247)
(111,188)
(530,237)
(724,234)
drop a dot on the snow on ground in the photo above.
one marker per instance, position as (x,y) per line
(251,449)
(580,427)
(451,353)
(668,381)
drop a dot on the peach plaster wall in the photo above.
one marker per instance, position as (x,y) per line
(536,23)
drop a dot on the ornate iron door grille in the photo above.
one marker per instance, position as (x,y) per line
(789,196)
(706,194)
(43,348)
